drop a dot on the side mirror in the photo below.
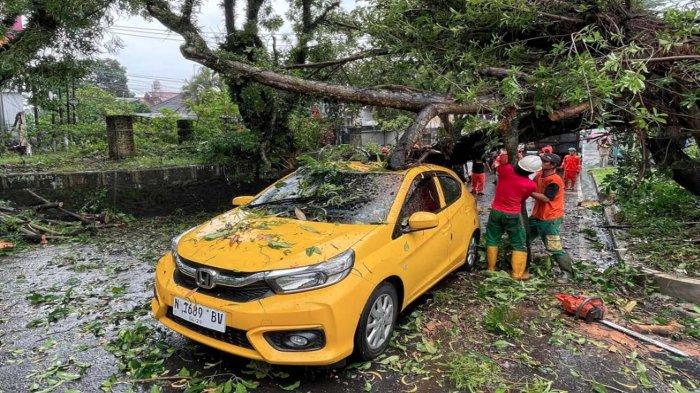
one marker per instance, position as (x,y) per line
(422,220)
(242,200)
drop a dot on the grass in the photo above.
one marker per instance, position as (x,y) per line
(600,173)
(663,219)
(94,157)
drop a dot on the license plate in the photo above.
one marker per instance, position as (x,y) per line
(199,315)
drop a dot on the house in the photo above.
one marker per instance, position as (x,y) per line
(152,98)
(362,129)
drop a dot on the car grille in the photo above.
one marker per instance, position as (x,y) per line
(232,336)
(254,291)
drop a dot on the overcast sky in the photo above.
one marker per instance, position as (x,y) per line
(150,52)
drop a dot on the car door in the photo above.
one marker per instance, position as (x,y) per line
(423,254)
(460,225)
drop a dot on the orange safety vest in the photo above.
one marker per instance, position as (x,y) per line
(572,163)
(553,209)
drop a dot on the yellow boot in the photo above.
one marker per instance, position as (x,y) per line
(491,257)
(518,262)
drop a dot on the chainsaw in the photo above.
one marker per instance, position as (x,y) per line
(592,309)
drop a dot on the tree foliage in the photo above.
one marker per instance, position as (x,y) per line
(532,63)
(110,76)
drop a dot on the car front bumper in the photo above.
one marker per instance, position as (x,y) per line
(335,310)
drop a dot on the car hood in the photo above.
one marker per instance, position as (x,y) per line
(243,241)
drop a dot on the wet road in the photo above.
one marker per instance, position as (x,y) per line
(61,305)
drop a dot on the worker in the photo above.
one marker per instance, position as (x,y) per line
(604,143)
(514,187)
(548,213)
(572,167)
(546,149)
(478,176)
(521,151)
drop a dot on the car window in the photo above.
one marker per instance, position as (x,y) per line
(451,188)
(344,197)
(422,197)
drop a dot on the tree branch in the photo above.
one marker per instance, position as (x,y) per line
(343,60)
(229,15)
(323,15)
(561,17)
(502,72)
(186,10)
(196,49)
(667,58)
(569,112)
(399,157)
(343,24)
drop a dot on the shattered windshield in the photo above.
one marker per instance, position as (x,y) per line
(332,196)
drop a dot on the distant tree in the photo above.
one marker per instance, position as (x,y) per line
(156,86)
(109,75)
(205,80)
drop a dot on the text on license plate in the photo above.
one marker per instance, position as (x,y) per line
(199,315)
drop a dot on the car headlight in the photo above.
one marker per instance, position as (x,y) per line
(174,242)
(314,276)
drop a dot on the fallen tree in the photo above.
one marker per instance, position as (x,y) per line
(603,62)
(48,220)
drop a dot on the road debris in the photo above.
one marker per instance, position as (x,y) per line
(46,221)
(592,309)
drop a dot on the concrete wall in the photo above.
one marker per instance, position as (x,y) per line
(139,192)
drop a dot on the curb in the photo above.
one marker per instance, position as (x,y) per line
(681,287)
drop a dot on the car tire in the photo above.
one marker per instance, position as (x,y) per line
(384,299)
(472,259)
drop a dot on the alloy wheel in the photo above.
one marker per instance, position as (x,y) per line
(472,253)
(380,321)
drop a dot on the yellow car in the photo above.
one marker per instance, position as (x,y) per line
(317,266)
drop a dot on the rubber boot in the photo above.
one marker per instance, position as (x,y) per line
(566,264)
(518,262)
(491,257)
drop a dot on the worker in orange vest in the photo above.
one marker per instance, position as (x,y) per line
(548,213)
(572,167)
(478,176)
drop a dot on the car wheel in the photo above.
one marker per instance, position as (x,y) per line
(472,254)
(377,322)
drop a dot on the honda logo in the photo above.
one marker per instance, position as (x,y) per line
(205,278)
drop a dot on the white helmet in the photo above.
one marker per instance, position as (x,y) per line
(530,163)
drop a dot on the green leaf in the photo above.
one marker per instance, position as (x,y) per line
(292,386)
(184,372)
(278,244)
(313,250)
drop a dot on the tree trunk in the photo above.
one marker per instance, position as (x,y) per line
(668,154)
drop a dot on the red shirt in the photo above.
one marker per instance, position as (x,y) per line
(572,163)
(512,190)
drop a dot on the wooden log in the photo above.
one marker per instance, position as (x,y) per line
(68,212)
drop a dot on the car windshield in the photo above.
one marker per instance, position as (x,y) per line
(340,196)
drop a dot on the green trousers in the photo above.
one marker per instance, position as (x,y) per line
(512,224)
(548,231)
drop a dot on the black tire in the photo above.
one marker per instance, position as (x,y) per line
(364,350)
(470,264)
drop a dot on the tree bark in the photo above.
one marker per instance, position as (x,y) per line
(399,157)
